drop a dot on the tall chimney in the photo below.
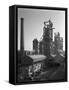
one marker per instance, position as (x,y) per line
(22,38)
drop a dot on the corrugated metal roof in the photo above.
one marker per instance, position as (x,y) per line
(37,58)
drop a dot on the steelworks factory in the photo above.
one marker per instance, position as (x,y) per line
(36,62)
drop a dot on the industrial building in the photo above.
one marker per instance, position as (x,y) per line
(44,45)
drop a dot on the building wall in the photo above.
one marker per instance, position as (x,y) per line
(58,41)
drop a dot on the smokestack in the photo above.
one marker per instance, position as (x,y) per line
(22,38)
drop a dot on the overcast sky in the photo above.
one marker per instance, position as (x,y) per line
(34,23)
